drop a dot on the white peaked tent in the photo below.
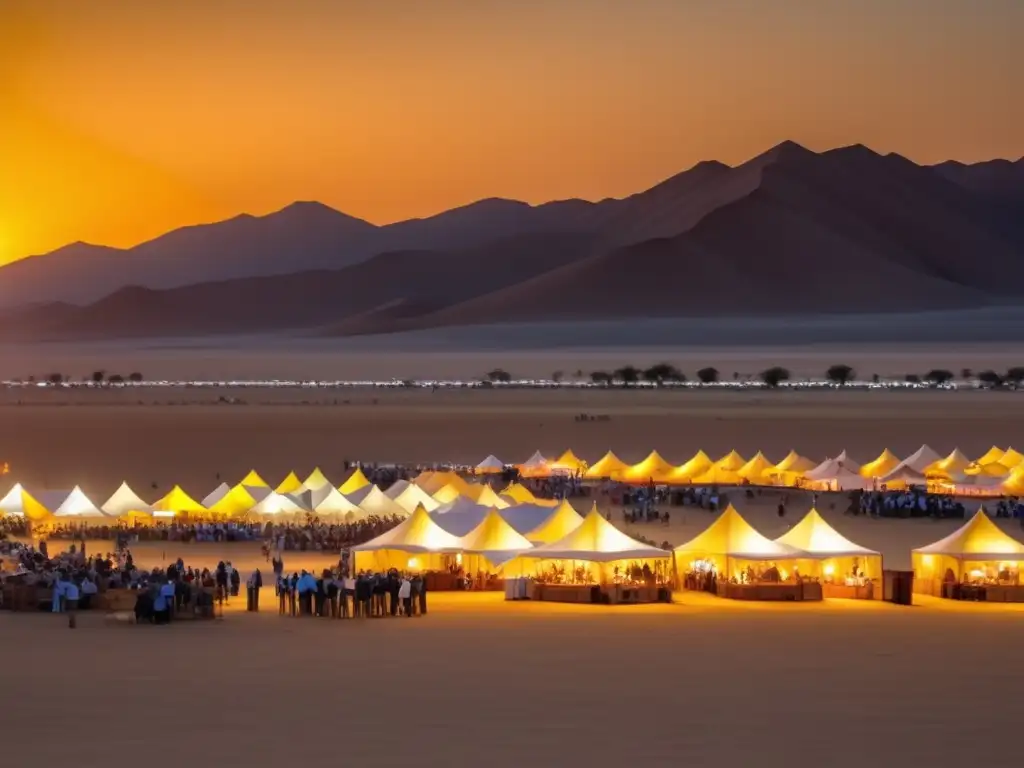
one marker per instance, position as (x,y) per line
(357,496)
(216,495)
(461,516)
(489,465)
(395,489)
(328,501)
(491,544)
(817,538)
(77,505)
(535,465)
(413,496)
(376,502)
(847,462)
(13,503)
(834,475)
(919,460)
(598,541)
(902,476)
(276,505)
(417,543)
(124,501)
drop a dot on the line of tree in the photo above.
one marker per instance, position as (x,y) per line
(96,378)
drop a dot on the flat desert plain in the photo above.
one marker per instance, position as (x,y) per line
(481,681)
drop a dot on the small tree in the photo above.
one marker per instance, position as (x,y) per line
(990,379)
(135,377)
(601,377)
(557,376)
(115,378)
(840,374)
(1015,375)
(708,375)
(874,378)
(499,376)
(662,372)
(628,375)
(938,376)
(912,378)
(966,374)
(774,376)
(55,378)
(98,377)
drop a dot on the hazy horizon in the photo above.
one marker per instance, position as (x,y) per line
(123,123)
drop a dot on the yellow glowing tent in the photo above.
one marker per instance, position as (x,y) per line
(1014,484)
(235,501)
(698,465)
(756,470)
(329,502)
(435,481)
(570,462)
(993,469)
(836,553)
(415,544)
(730,542)
(355,481)
(991,456)
(20,503)
(725,471)
(315,481)
(253,479)
(953,464)
(413,496)
(609,465)
(448,494)
(1012,459)
(791,469)
(491,544)
(178,502)
(881,466)
(376,502)
(290,484)
(596,545)
(562,520)
(519,493)
(979,547)
(486,497)
(652,468)
(492,465)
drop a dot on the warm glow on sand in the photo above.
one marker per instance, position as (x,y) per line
(117,124)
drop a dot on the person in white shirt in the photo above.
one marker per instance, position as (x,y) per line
(405,595)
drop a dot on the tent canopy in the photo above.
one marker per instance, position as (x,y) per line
(977,539)
(277,504)
(412,496)
(756,469)
(698,465)
(234,501)
(732,536)
(654,467)
(253,479)
(328,500)
(417,533)
(376,502)
(881,466)
(519,493)
(920,460)
(991,456)
(795,463)
(955,463)
(20,503)
(494,537)
(1012,459)
(290,484)
(315,481)
(354,482)
(596,540)
(491,465)
(77,505)
(559,523)
(570,461)
(608,465)
(123,502)
(815,536)
(178,501)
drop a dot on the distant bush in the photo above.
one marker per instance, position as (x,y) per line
(627,374)
(708,375)
(991,379)
(499,376)
(662,372)
(912,378)
(840,374)
(601,377)
(774,376)
(938,376)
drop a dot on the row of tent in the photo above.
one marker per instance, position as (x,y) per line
(515,540)
(998,470)
(354,499)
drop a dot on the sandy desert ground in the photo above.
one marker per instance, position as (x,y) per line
(482,681)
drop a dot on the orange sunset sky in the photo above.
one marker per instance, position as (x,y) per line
(121,120)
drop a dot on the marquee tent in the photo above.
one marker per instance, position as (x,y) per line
(596,545)
(459,517)
(519,493)
(78,506)
(484,495)
(725,471)
(836,555)
(570,462)
(535,466)
(315,481)
(991,456)
(881,466)
(1014,484)
(491,544)
(791,469)
(253,479)
(992,469)
(376,502)
(834,475)
(920,460)
(415,544)
(125,503)
(233,501)
(290,484)
(730,543)
(847,462)
(976,550)
(756,470)
(698,465)
(216,495)
(903,477)
(449,494)
(953,464)
(489,466)
(654,467)
(411,497)
(432,482)
(960,484)
(276,505)
(177,502)
(1012,459)
(359,494)
(607,466)
(354,482)
(559,523)
(328,501)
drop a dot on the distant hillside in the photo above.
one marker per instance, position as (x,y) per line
(789,232)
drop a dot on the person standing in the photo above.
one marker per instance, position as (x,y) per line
(405,595)
(167,594)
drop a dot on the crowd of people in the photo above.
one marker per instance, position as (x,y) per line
(912,502)
(336,594)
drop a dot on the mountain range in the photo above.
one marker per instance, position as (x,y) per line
(789,232)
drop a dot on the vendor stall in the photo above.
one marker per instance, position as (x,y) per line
(416,544)
(730,556)
(978,561)
(844,569)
